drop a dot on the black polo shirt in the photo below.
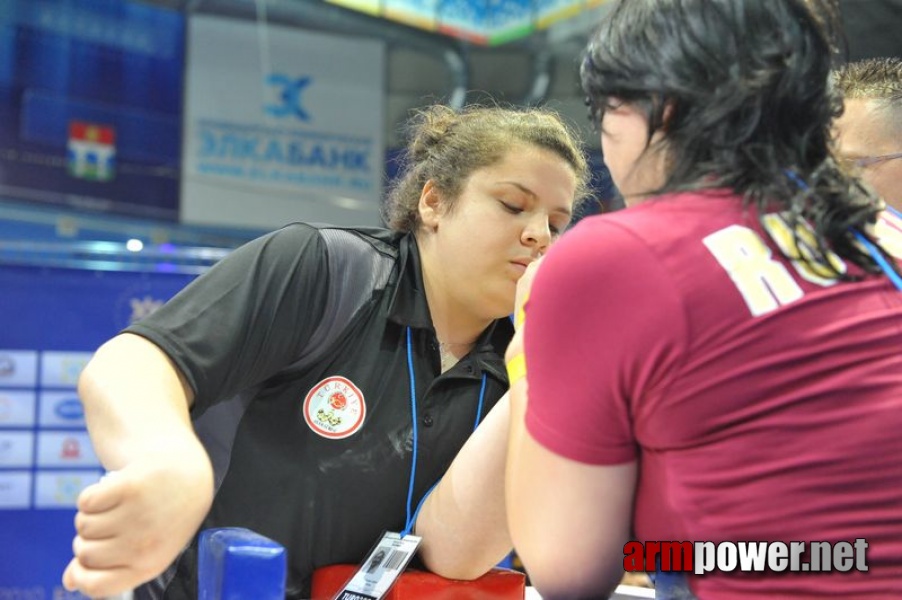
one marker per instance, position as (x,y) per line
(295,346)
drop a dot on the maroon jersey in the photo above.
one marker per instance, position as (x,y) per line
(761,398)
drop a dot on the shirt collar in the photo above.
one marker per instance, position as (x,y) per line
(492,344)
(409,308)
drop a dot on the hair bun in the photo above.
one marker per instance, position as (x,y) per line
(428,128)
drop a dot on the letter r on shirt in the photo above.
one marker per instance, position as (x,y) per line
(764,283)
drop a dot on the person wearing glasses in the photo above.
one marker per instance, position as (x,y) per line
(869,132)
(719,361)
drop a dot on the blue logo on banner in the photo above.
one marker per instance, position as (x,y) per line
(69,410)
(289,96)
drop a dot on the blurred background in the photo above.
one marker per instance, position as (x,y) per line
(141,141)
(242,115)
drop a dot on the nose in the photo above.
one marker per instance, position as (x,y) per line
(537,233)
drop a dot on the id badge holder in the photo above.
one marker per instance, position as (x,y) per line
(381,568)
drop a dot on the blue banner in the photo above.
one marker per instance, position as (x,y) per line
(91,104)
(53,319)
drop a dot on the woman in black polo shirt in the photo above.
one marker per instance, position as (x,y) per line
(314,385)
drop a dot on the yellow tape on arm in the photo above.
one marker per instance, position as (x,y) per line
(520,316)
(516,368)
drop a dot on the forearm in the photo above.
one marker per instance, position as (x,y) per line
(462,522)
(136,408)
(552,498)
(135,402)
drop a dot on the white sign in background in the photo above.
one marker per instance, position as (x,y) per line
(281,125)
(17,408)
(15,489)
(18,368)
(61,369)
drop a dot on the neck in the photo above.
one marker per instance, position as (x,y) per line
(456,326)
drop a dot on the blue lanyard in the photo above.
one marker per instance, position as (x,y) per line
(878,257)
(880,260)
(411,519)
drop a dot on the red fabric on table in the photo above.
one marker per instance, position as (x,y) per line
(497,584)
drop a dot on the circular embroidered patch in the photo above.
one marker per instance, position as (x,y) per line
(334,408)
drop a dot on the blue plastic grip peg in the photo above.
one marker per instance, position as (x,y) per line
(237,564)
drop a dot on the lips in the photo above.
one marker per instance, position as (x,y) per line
(519,266)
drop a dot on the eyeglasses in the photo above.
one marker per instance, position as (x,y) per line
(867,161)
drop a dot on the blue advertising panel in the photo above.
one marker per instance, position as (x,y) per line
(91,104)
(52,320)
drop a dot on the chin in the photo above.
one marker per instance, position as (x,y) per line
(505,309)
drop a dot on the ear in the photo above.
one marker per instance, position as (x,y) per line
(667,115)
(430,206)
(659,135)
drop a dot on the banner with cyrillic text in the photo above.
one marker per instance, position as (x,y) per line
(281,125)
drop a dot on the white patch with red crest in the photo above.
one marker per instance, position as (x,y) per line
(334,408)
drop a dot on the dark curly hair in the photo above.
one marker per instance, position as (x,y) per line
(745,86)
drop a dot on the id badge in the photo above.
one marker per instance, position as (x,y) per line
(382,567)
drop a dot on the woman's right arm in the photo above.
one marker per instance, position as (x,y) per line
(228,330)
(134,523)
